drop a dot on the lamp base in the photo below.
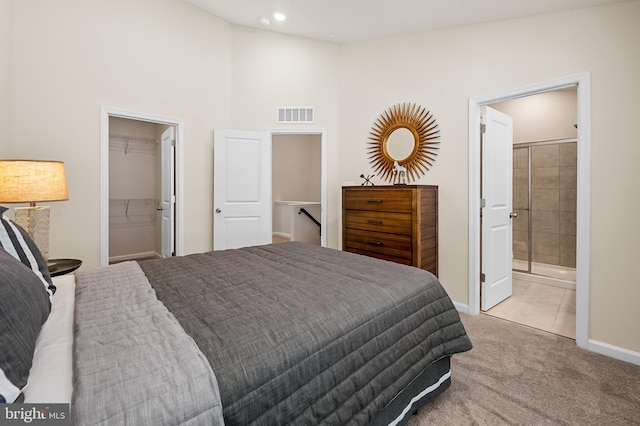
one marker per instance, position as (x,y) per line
(35,220)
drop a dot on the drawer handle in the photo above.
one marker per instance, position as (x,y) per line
(375,222)
(374,201)
(374,243)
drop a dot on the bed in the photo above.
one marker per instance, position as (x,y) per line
(279,334)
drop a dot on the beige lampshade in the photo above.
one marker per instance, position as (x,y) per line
(31,181)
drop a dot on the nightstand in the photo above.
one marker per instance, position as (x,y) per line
(63,266)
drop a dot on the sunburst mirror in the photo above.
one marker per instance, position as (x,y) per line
(407,134)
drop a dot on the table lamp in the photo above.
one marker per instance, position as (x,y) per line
(33,181)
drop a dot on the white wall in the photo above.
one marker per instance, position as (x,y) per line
(5,81)
(443,69)
(296,167)
(167,58)
(157,57)
(272,70)
(542,117)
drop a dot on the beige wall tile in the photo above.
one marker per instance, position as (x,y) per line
(521,223)
(520,179)
(544,221)
(568,250)
(569,262)
(545,156)
(567,200)
(521,199)
(521,158)
(568,178)
(520,255)
(544,243)
(543,258)
(568,246)
(545,199)
(521,243)
(568,154)
(545,178)
(568,223)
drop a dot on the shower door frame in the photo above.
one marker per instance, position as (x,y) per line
(528,146)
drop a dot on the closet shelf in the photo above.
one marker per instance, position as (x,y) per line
(130,207)
(130,144)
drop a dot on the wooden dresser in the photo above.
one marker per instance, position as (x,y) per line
(396,222)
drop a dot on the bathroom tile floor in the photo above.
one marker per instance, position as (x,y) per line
(540,306)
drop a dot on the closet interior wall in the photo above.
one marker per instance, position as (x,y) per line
(134,189)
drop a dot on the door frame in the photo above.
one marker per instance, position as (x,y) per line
(323,173)
(105,114)
(583,213)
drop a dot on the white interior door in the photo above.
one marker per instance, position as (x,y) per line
(241,189)
(497,171)
(168,198)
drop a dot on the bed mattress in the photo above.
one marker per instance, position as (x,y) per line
(297,333)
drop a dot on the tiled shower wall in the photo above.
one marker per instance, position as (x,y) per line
(553,203)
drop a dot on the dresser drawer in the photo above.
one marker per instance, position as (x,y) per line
(394,223)
(379,242)
(378,200)
(384,256)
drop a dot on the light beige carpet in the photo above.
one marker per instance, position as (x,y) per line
(516,375)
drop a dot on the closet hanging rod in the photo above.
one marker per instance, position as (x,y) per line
(134,138)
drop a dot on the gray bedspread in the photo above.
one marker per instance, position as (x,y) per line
(133,363)
(300,334)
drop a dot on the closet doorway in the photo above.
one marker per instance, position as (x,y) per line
(140,187)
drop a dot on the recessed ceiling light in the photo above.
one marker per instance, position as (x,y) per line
(264,21)
(279,16)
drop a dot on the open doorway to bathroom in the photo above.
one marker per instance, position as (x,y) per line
(582,82)
(544,206)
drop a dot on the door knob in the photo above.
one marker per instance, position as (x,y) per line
(513,215)
(218,211)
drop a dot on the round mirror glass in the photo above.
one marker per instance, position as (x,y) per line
(400,143)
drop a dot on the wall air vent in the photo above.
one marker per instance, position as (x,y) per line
(295,114)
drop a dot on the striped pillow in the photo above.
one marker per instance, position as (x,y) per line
(24,307)
(17,242)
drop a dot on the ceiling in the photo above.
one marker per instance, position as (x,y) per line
(344,21)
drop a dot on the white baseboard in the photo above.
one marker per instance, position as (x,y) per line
(594,346)
(614,351)
(133,256)
(282,234)
(461,307)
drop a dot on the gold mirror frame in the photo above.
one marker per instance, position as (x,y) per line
(426,134)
